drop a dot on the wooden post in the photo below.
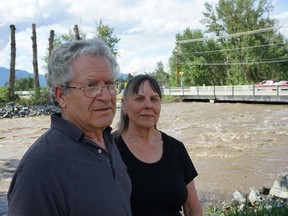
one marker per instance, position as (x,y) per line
(76,32)
(51,42)
(35,61)
(11,82)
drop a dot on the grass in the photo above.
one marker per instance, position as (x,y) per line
(262,209)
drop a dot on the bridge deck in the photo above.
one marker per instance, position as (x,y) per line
(245,93)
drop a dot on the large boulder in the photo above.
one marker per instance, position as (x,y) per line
(280,186)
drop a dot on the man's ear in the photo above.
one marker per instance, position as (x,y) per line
(58,92)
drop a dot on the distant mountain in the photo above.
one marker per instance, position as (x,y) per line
(4,76)
(122,76)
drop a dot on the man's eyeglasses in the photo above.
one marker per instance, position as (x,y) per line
(93,91)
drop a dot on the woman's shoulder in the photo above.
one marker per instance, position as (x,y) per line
(118,139)
(170,140)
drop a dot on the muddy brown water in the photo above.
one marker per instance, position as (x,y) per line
(233,146)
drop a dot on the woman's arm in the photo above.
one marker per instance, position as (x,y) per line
(192,205)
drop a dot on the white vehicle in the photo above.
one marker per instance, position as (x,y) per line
(272,85)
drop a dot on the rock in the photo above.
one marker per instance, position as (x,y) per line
(239,196)
(280,186)
(276,197)
(13,111)
(254,196)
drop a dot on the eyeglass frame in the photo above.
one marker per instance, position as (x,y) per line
(99,86)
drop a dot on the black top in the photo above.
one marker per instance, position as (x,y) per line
(64,174)
(159,188)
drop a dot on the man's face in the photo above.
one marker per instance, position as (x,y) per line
(90,114)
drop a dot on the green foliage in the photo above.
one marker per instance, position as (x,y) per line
(3,94)
(63,38)
(168,98)
(24,84)
(244,62)
(248,210)
(189,59)
(106,33)
(40,96)
(245,58)
(102,31)
(70,36)
(160,75)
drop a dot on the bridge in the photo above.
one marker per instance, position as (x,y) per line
(235,93)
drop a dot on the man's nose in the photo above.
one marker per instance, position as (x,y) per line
(105,91)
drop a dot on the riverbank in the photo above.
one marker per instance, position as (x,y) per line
(233,146)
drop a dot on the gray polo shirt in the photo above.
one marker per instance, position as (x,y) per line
(63,174)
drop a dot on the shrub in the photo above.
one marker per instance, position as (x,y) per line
(168,98)
(247,210)
(3,94)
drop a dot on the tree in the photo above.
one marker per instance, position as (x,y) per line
(102,31)
(55,40)
(73,34)
(160,75)
(244,53)
(191,60)
(24,84)
(106,33)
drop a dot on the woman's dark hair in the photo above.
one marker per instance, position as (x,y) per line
(133,87)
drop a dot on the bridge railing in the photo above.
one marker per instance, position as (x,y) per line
(249,90)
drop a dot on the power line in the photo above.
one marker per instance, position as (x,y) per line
(235,63)
(228,35)
(232,49)
(251,62)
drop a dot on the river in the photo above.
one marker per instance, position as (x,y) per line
(232,145)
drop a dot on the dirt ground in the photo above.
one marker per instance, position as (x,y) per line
(233,146)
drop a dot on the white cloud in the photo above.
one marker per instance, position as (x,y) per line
(147,28)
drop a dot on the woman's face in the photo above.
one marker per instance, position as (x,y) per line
(143,108)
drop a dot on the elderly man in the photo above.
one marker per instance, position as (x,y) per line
(75,168)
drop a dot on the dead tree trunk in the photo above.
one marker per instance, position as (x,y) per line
(11,82)
(35,62)
(76,32)
(51,42)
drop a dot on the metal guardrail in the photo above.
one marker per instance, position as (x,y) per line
(249,90)
(230,93)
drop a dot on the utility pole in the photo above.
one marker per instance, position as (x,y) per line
(177,65)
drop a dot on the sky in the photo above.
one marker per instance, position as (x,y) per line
(146,28)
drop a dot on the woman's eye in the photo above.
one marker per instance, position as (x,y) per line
(155,99)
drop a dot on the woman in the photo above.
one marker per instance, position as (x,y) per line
(158,165)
